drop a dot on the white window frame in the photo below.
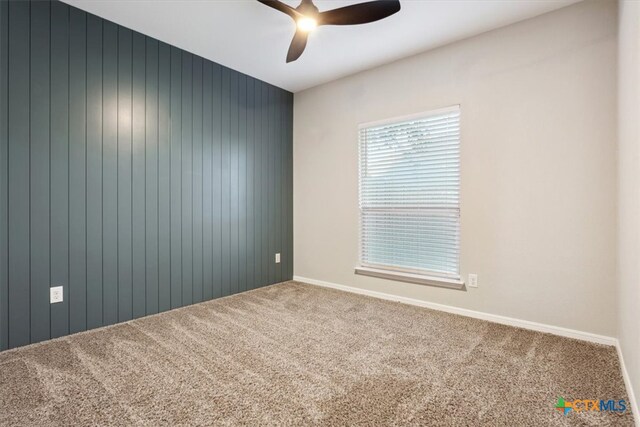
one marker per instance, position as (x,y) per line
(447,280)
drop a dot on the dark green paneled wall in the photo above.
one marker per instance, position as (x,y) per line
(137,175)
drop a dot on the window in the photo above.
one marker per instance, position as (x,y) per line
(409,196)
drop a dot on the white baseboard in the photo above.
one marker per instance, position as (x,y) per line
(510,321)
(504,320)
(628,385)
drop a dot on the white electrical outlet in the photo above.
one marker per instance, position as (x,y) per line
(277,258)
(56,294)
(473,280)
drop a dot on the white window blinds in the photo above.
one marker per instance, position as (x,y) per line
(409,194)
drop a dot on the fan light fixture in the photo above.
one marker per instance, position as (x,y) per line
(307,24)
(307,17)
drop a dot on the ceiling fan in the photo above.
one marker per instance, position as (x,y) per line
(308,17)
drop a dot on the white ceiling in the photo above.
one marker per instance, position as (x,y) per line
(252,38)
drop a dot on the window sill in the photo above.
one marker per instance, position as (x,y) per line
(411,278)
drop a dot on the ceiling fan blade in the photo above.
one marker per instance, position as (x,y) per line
(297,46)
(282,7)
(362,13)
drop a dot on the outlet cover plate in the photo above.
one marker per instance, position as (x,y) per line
(56,294)
(278,258)
(473,281)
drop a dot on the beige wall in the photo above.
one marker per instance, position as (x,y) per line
(629,184)
(538,164)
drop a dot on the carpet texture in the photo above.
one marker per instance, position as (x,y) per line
(296,354)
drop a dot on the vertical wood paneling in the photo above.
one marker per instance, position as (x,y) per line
(207,181)
(164,177)
(125,129)
(110,174)
(277,150)
(216,179)
(4,176)
(257,183)
(136,175)
(225,182)
(39,168)
(242,182)
(60,164)
(187,183)
(250,176)
(270,249)
(94,172)
(18,171)
(234,147)
(288,171)
(197,179)
(283,187)
(266,200)
(77,171)
(273,202)
(176,177)
(151,129)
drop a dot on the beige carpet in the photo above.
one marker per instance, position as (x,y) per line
(295,354)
